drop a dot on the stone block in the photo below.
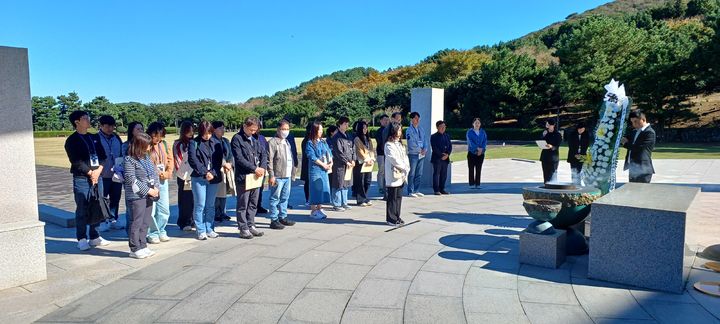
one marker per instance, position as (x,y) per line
(638,236)
(57,216)
(543,250)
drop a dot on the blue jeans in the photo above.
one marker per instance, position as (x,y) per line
(416,172)
(81,191)
(114,191)
(339,197)
(204,194)
(279,196)
(160,212)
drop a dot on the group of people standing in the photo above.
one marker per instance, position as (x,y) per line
(639,142)
(207,167)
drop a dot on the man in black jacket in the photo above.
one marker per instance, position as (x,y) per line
(578,142)
(87,157)
(639,144)
(250,160)
(380,140)
(440,159)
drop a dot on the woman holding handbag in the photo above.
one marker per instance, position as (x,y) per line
(141,189)
(365,158)
(183,170)
(227,166)
(397,168)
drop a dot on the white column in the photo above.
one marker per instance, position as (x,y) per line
(430,103)
(22,239)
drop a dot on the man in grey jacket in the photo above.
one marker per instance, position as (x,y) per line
(417,143)
(280,170)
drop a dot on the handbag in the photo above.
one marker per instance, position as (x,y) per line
(98,207)
(230,182)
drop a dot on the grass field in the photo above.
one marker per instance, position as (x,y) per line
(50,151)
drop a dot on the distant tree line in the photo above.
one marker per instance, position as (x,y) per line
(663,54)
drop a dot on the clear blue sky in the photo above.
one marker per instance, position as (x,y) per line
(162,51)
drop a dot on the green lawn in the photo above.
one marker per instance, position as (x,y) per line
(50,151)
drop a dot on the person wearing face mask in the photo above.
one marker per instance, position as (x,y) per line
(112,144)
(281,172)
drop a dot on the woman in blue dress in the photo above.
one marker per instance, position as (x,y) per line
(319,159)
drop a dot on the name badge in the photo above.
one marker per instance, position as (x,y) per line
(151,182)
(94,161)
(161,167)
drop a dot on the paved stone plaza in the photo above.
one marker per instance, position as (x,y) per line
(458,264)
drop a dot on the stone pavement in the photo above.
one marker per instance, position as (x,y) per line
(458,264)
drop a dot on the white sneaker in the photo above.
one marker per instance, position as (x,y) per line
(149,252)
(187,229)
(83,245)
(202,237)
(316,215)
(99,242)
(322,213)
(116,225)
(420,194)
(139,254)
(153,240)
(212,235)
(104,227)
(164,238)
(414,195)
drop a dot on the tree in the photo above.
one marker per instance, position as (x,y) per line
(67,104)
(45,113)
(321,91)
(702,7)
(597,49)
(352,104)
(371,81)
(458,64)
(100,106)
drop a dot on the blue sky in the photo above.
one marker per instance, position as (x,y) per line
(163,51)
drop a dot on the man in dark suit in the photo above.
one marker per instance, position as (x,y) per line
(578,142)
(640,143)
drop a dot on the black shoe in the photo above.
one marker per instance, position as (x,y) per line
(437,193)
(286,222)
(276,225)
(444,192)
(261,210)
(246,235)
(401,222)
(218,219)
(290,207)
(225,217)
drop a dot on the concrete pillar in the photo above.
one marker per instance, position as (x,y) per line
(22,239)
(430,103)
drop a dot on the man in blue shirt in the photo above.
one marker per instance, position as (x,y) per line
(417,143)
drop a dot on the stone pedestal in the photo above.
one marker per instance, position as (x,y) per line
(22,239)
(430,103)
(638,236)
(543,250)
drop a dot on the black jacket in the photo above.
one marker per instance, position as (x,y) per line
(204,153)
(248,154)
(380,139)
(638,158)
(79,147)
(293,149)
(343,150)
(577,145)
(553,154)
(440,144)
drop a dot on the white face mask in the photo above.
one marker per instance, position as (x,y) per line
(284,133)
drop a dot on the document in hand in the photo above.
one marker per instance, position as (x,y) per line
(366,168)
(348,174)
(252,182)
(541,144)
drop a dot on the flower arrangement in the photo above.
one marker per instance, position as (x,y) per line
(601,160)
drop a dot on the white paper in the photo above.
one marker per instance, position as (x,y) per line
(541,144)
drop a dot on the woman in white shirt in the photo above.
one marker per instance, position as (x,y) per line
(397,168)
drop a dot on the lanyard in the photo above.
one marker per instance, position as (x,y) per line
(160,155)
(91,146)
